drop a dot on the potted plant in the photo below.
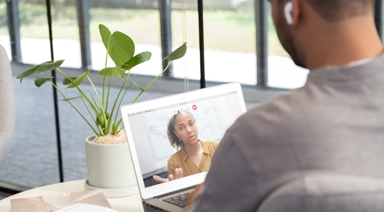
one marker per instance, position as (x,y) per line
(108,158)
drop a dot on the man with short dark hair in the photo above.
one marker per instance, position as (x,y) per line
(333,124)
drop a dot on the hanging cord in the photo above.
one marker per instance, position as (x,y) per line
(184,33)
(56,107)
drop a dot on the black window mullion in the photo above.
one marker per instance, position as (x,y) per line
(200,11)
(83,22)
(166,33)
(14,29)
(54,92)
(261,13)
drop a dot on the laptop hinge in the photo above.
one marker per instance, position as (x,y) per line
(175,192)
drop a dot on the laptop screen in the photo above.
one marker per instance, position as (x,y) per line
(210,112)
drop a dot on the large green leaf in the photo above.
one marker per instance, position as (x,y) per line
(178,53)
(43,67)
(78,80)
(41,81)
(136,60)
(120,46)
(66,81)
(112,72)
(105,34)
(101,119)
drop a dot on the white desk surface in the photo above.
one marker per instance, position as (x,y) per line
(122,204)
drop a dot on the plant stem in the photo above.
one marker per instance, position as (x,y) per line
(118,95)
(94,101)
(89,112)
(103,111)
(109,91)
(108,124)
(149,84)
(107,121)
(97,94)
(103,92)
(78,88)
(61,93)
(121,99)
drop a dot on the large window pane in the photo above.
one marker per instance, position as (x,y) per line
(34,32)
(189,66)
(229,38)
(65,32)
(32,160)
(135,18)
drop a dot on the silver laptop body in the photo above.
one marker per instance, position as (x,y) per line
(214,109)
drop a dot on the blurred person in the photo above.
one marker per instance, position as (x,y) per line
(333,124)
(194,155)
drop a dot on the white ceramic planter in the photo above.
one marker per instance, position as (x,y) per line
(110,169)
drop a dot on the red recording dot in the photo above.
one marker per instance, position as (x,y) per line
(194,107)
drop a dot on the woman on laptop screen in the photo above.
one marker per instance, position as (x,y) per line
(194,155)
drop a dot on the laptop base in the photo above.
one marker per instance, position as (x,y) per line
(151,208)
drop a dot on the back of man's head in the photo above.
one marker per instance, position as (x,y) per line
(336,10)
(316,33)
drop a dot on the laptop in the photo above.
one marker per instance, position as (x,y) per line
(214,109)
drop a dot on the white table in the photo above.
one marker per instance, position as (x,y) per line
(122,204)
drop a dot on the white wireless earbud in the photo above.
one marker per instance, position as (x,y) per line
(288,12)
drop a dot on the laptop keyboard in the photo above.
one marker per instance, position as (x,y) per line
(177,200)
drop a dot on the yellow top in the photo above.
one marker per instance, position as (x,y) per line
(181,160)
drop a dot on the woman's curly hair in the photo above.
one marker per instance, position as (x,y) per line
(172,137)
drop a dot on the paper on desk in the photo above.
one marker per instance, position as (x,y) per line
(80,207)
(55,202)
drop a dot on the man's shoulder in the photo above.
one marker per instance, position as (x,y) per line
(279,107)
(268,118)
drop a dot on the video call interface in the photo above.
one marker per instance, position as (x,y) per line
(212,116)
